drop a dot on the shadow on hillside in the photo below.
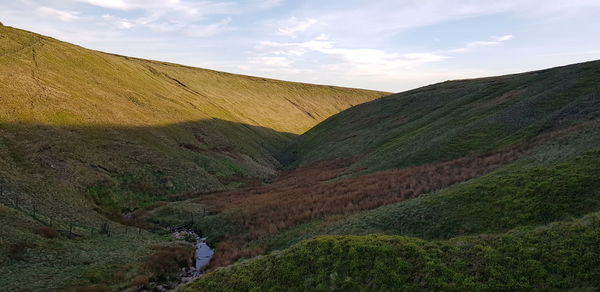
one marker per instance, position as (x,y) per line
(121,167)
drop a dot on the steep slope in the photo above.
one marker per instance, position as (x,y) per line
(129,131)
(560,256)
(86,135)
(436,175)
(454,119)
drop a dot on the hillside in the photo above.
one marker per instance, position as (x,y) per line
(529,224)
(117,128)
(453,119)
(481,184)
(87,137)
(560,256)
(544,170)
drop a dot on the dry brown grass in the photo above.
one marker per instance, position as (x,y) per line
(90,289)
(140,282)
(47,232)
(18,250)
(167,261)
(310,193)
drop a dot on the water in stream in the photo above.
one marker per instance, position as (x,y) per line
(203,255)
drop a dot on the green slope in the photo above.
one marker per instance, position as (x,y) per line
(453,119)
(560,256)
(526,193)
(128,131)
(86,135)
(551,115)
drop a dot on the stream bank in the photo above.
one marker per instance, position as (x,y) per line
(202,256)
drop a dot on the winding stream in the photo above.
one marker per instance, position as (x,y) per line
(203,255)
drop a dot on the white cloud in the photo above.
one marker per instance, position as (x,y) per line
(267,4)
(282,56)
(271,61)
(209,30)
(293,26)
(193,30)
(325,46)
(111,4)
(118,22)
(56,13)
(503,38)
(183,8)
(496,40)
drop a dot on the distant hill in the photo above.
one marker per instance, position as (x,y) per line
(127,131)
(453,119)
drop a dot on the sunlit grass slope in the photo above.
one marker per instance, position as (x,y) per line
(454,119)
(127,131)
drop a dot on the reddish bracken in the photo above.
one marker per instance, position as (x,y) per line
(310,193)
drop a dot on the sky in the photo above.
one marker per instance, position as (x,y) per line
(391,45)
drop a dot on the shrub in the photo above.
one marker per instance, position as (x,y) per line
(167,261)
(140,282)
(18,251)
(90,289)
(313,192)
(47,232)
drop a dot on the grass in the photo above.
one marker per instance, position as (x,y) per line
(86,136)
(129,130)
(528,192)
(308,194)
(36,257)
(559,256)
(453,119)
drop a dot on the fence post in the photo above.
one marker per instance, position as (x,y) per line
(126,227)
(71,229)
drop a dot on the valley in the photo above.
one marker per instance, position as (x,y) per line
(475,184)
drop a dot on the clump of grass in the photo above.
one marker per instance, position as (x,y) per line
(47,232)
(18,251)
(166,261)
(90,289)
(555,257)
(140,282)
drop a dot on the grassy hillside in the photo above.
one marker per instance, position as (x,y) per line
(127,131)
(528,192)
(37,257)
(546,173)
(560,256)
(86,135)
(454,119)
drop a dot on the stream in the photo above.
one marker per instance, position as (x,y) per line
(203,255)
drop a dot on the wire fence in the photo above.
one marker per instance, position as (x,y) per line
(69,227)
